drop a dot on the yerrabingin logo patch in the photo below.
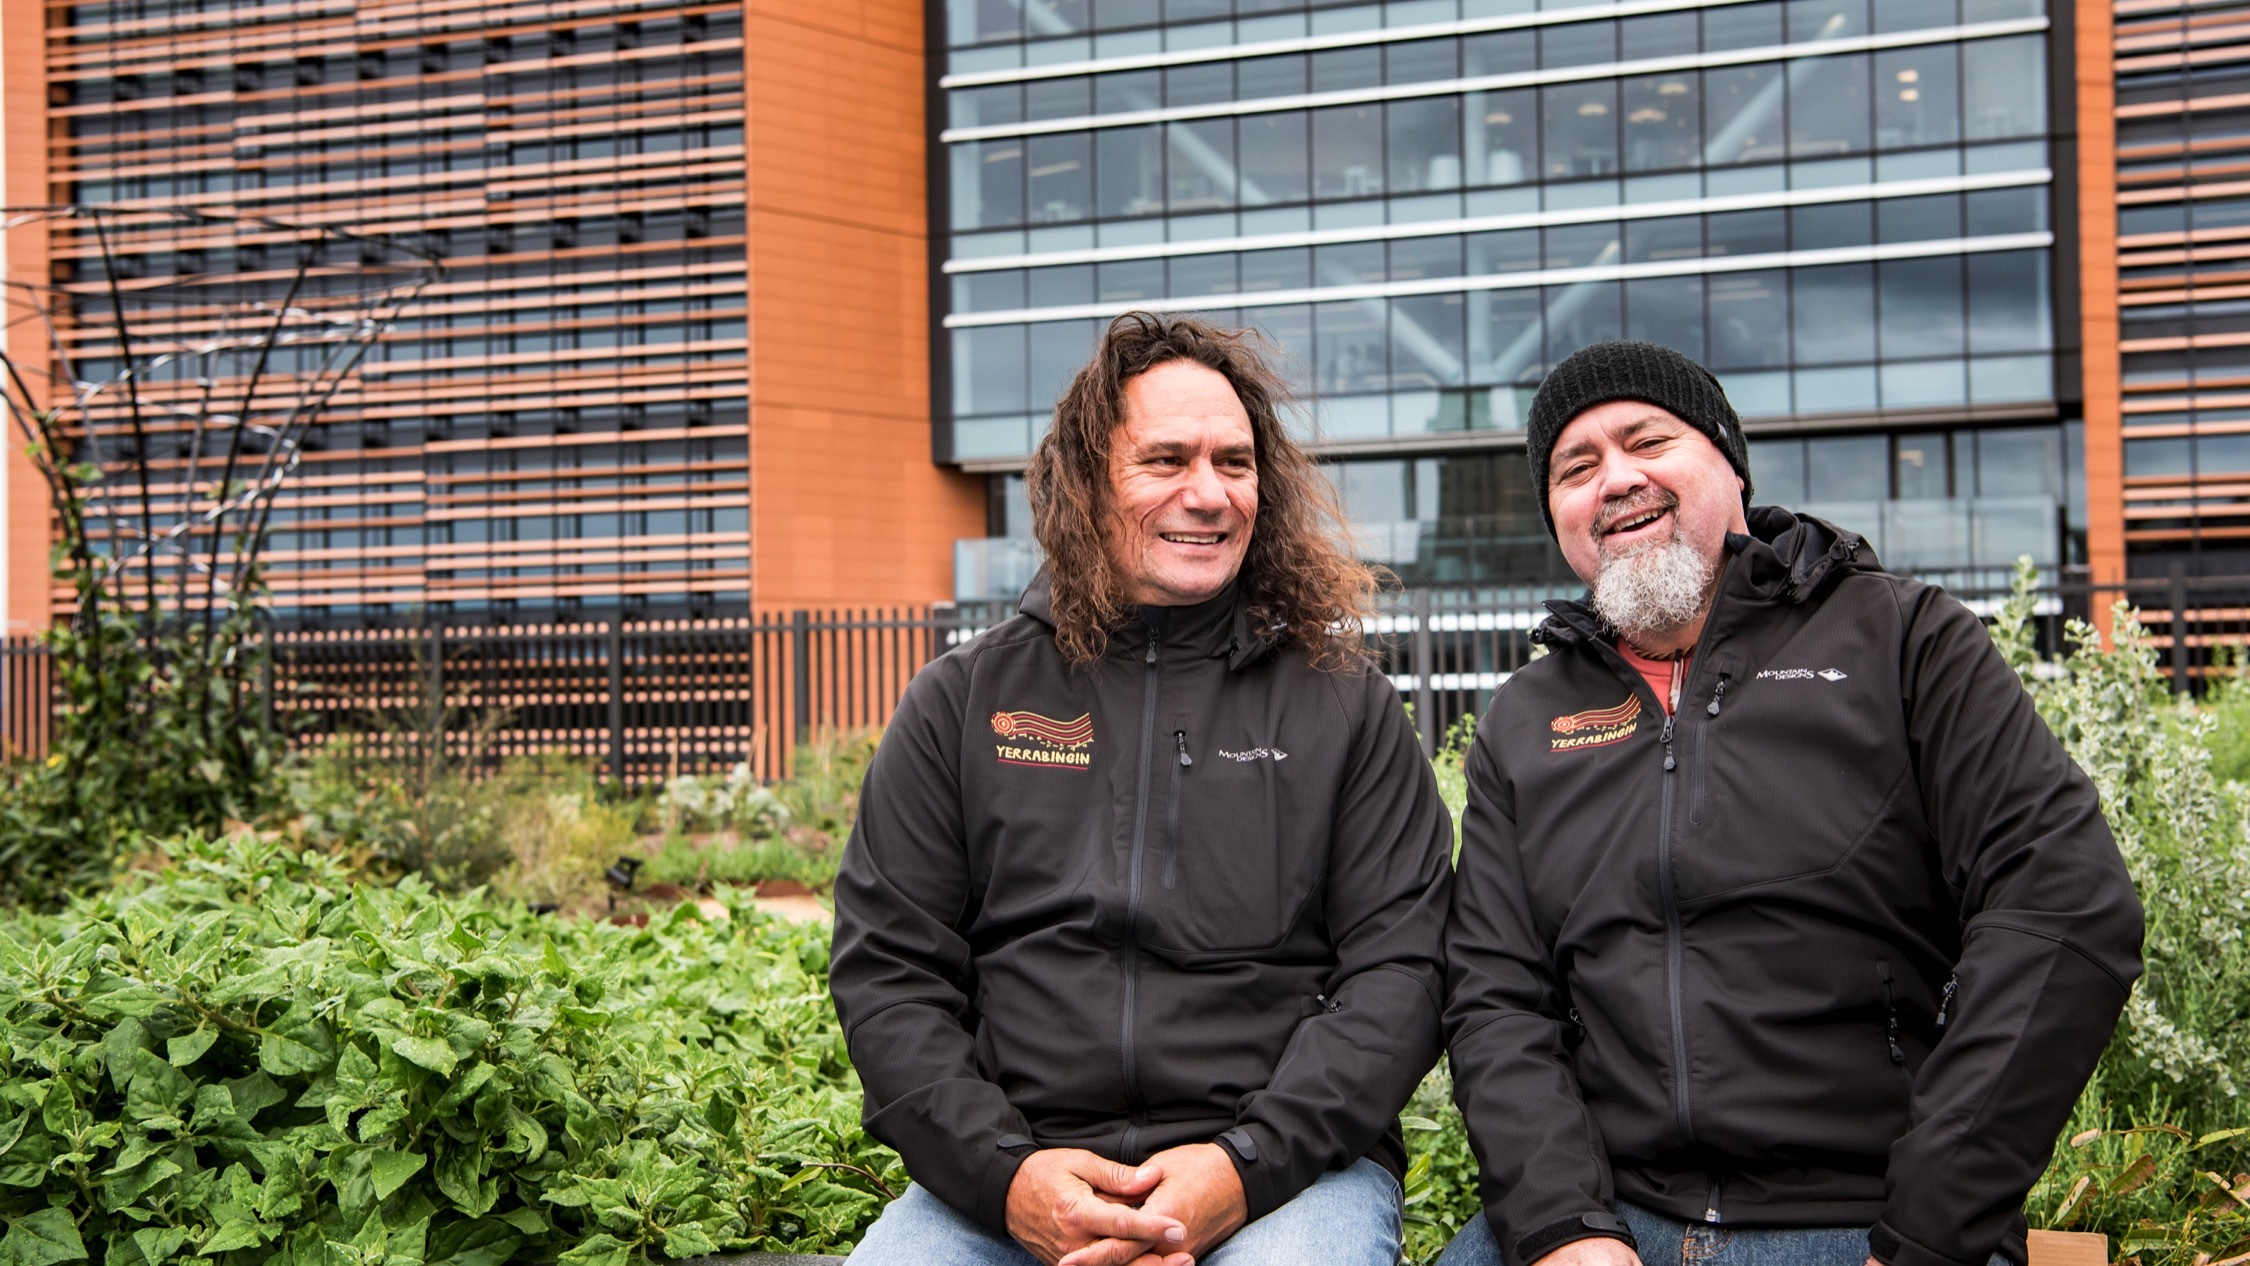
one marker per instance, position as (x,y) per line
(1597,728)
(1031,739)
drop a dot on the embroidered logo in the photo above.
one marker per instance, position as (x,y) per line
(1256,753)
(1802,674)
(1598,728)
(1032,739)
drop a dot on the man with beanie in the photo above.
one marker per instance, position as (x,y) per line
(1783,930)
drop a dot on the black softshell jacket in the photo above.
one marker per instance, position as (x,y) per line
(1193,892)
(1838,945)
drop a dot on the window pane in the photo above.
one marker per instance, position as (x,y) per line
(1351,352)
(1426,342)
(1199,84)
(1826,19)
(1924,467)
(1058,98)
(1822,226)
(1742,114)
(1921,307)
(1663,122)
(1200,171)
(1505,336)
(1747,232)
(1678,237)
(2008,303)
(1425,144)
(988,370)
(1421,61)
(1749,320)
(1290,327)
(1929,219)
(1742,26)
(2004,87)
(1061,178)
(1777,472)
(1128,90)
(1202,275)
(1058,349)
(1343,69)
(1282,76)
(1835,314)
(1580,132)
(1917,97)
(1828,106)
(1581,245)
(1062,285)
(1581,315)
(1667,311)
(1847,468)
(1349,263)
(1347,151)
(2019,463)
(1507,251)
(1130,281)
(1577,44)
(987,184)
(1273,159)
(1416,257)
(1502,137)
(1130,163)
(1287,269)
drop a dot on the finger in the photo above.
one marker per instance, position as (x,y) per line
(1107,1252)
(1124,1180)
(1095,1219)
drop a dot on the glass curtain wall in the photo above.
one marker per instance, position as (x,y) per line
(1841,206)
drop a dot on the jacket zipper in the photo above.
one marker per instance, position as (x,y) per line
(1132,947)
(1172,812)
(1890,1014)
(1945,1003)
(1674,951)
(1703,748)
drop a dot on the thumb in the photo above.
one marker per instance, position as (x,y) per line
(1124,1180)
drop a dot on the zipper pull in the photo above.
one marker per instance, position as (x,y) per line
(1718,694)
(1666,739)
(1151,646)
(1945,1003)
(1328,1004)
(1179,739)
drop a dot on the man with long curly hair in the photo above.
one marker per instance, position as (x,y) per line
(1138,933)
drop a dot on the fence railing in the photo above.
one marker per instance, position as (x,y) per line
(645,699)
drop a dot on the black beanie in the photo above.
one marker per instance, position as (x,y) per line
(1627,369)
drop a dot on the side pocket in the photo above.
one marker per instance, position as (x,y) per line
(1890,1019)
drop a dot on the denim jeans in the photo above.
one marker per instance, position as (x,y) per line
(1667,1241)
(1348,1218)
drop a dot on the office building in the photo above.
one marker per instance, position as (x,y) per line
(1849,210)
(677,362)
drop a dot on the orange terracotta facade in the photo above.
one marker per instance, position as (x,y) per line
(24,578)
(846,506)
(2097,272)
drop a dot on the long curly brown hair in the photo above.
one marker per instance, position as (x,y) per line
(1301,581)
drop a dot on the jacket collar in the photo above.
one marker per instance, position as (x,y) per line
(1784,557)
(1215,627)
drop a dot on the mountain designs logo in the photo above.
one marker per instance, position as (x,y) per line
(1042,742)
(1599,727)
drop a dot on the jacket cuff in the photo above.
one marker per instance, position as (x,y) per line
(1008,1153)
(1887,1246)
(1253,1165)
(1600,1224)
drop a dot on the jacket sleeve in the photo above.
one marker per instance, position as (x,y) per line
(1351,1066)
(1543,1172)
(900,968)
(2051,936)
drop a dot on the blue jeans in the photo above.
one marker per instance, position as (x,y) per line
(1348,1218)
(1669,1242)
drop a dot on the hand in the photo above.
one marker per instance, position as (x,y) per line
(1599,1251)
(1201,1190)
(1066,1198)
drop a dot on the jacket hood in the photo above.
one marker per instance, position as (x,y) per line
(1216,626)
(1785,557)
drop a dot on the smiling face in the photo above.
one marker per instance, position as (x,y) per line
(1183,477)
(1627,477)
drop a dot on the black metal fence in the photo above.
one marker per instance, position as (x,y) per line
(646,699)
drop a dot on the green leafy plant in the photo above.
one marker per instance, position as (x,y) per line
(248,1058)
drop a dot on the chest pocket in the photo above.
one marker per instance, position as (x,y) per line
(1788,774)
(1218,875)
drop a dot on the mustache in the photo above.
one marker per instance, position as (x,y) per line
(1618,509)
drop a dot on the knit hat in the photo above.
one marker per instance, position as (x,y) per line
(1627,369)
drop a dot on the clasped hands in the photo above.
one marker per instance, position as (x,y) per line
(1070,1207)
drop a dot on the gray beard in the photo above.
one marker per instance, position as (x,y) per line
(1653,593)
